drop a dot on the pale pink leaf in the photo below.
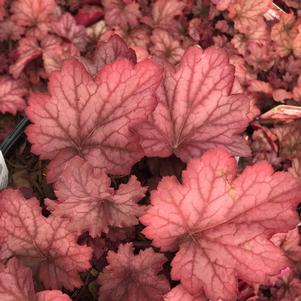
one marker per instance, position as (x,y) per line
(196,110)
(133,277)
(85,196)
(55,55)
(179,293)
(32,13)
(11,95)
(246,13)
(222,223)
(91,117)
(41,243)
(67,28)
(96,31)
(283,34)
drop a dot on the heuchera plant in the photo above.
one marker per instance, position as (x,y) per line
(162,161)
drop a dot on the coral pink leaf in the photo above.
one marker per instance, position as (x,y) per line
(108,52)
(33,13)
(85,196)
(16,282)
(52,296)
(222,223)
(67,28)
(179,293)
(28,50)
(11,95)
(133,277)
(196,111)
(42,243)
(91,117)
(246,13)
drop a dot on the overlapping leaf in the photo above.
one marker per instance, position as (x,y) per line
(91,117)
(28,50)
(33,13)
(44,244)
(122,13)
(16,285)
(108,52)
(133,277)
(164,12)
(85,196)
(246,13)
(222,223)
(178,293)
(67,28)
(196,110)
(11,95)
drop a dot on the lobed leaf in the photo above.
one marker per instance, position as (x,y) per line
(16,285)
(196,109)
(91,117)
(178,293)
(44,244)
(11,95)
(85,196)
(133,277)
(222,223)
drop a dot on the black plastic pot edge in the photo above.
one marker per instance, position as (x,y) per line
(10,140)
